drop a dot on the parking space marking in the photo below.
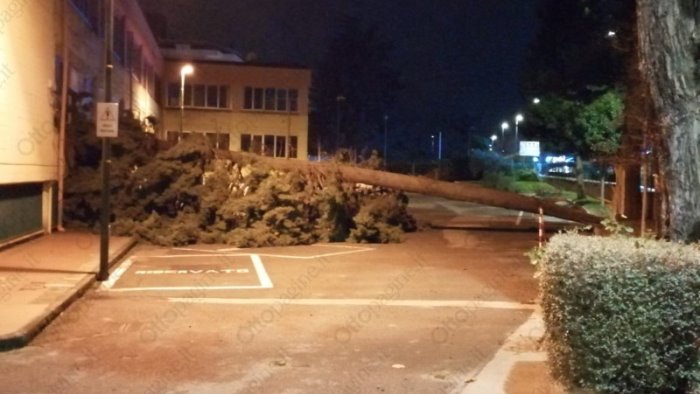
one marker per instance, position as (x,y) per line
(473,304)
(218,253)
(519,219)
(117,274)
(263,279)
(261,272)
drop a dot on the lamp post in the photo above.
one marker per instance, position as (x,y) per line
(518,118)
(493,141)
(386,118)
(504,127)
(186,70)
(339,99)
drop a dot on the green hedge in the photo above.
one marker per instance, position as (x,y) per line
(622,314)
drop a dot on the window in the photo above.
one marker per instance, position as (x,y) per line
(198,96)
(271,99)
(268,145)
(245,142)
(219,140)
(223,96)
(257,98)
(279,146)
(282,100)
(293,100)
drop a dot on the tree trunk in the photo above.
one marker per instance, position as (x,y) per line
(667,31)
(422,185)
(580,188)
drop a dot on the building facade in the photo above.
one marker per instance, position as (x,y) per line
(240,106)
(52,59)
(44,43)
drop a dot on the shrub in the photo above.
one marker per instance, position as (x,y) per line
(622,314)
(526,174)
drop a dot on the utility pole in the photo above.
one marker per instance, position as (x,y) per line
(386,118)
(105,211)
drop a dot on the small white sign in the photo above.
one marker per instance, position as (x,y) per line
(107,120)
(530,148)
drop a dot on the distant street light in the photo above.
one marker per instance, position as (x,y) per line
(493,141)
(504,127)
(186,70)
(536,101)
(518,118)
(611,33)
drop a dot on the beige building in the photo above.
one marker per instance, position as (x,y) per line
(42,44)
(52,53)
(240,106)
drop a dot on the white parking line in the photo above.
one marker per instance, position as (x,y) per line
(283,256)
(519,219)
(474,304)
(117,274)
(263,278)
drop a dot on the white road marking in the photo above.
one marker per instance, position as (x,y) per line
(491,378)
(263,278)
(117,274)
(519,219)
(475,304)
(265,281)
(182,288)
(353,249)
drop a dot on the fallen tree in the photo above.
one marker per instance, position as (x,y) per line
(406,183)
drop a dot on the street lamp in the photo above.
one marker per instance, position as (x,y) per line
(536,100)
(504,127)
(518,118)
(386,118)
(493,141)
(339,99)
(187,69)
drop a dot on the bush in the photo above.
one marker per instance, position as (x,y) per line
(622,314)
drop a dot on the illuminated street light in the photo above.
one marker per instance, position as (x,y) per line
(504,127)
(518,118)
(611,33)
(187,69)
(536,100)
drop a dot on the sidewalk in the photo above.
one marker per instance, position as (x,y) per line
(40,278)
(520,365)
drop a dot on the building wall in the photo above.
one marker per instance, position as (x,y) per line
(28,138)
(235,120)
(138,62)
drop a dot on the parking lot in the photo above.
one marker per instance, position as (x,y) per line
(424,316)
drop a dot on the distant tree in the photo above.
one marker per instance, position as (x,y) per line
(354,87)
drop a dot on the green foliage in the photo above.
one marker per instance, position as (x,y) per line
(482,162)
(382,219)
(622,314)
(600,122)
(184,195)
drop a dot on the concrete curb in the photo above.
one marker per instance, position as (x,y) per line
(26,334)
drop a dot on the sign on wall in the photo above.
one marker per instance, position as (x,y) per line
(530,148)
(107,120)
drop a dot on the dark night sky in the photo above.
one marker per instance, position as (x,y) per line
(457,57)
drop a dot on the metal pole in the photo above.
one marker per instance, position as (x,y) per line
(385,140)
(440,146)
(182,104)
(106,146)
(515,147)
